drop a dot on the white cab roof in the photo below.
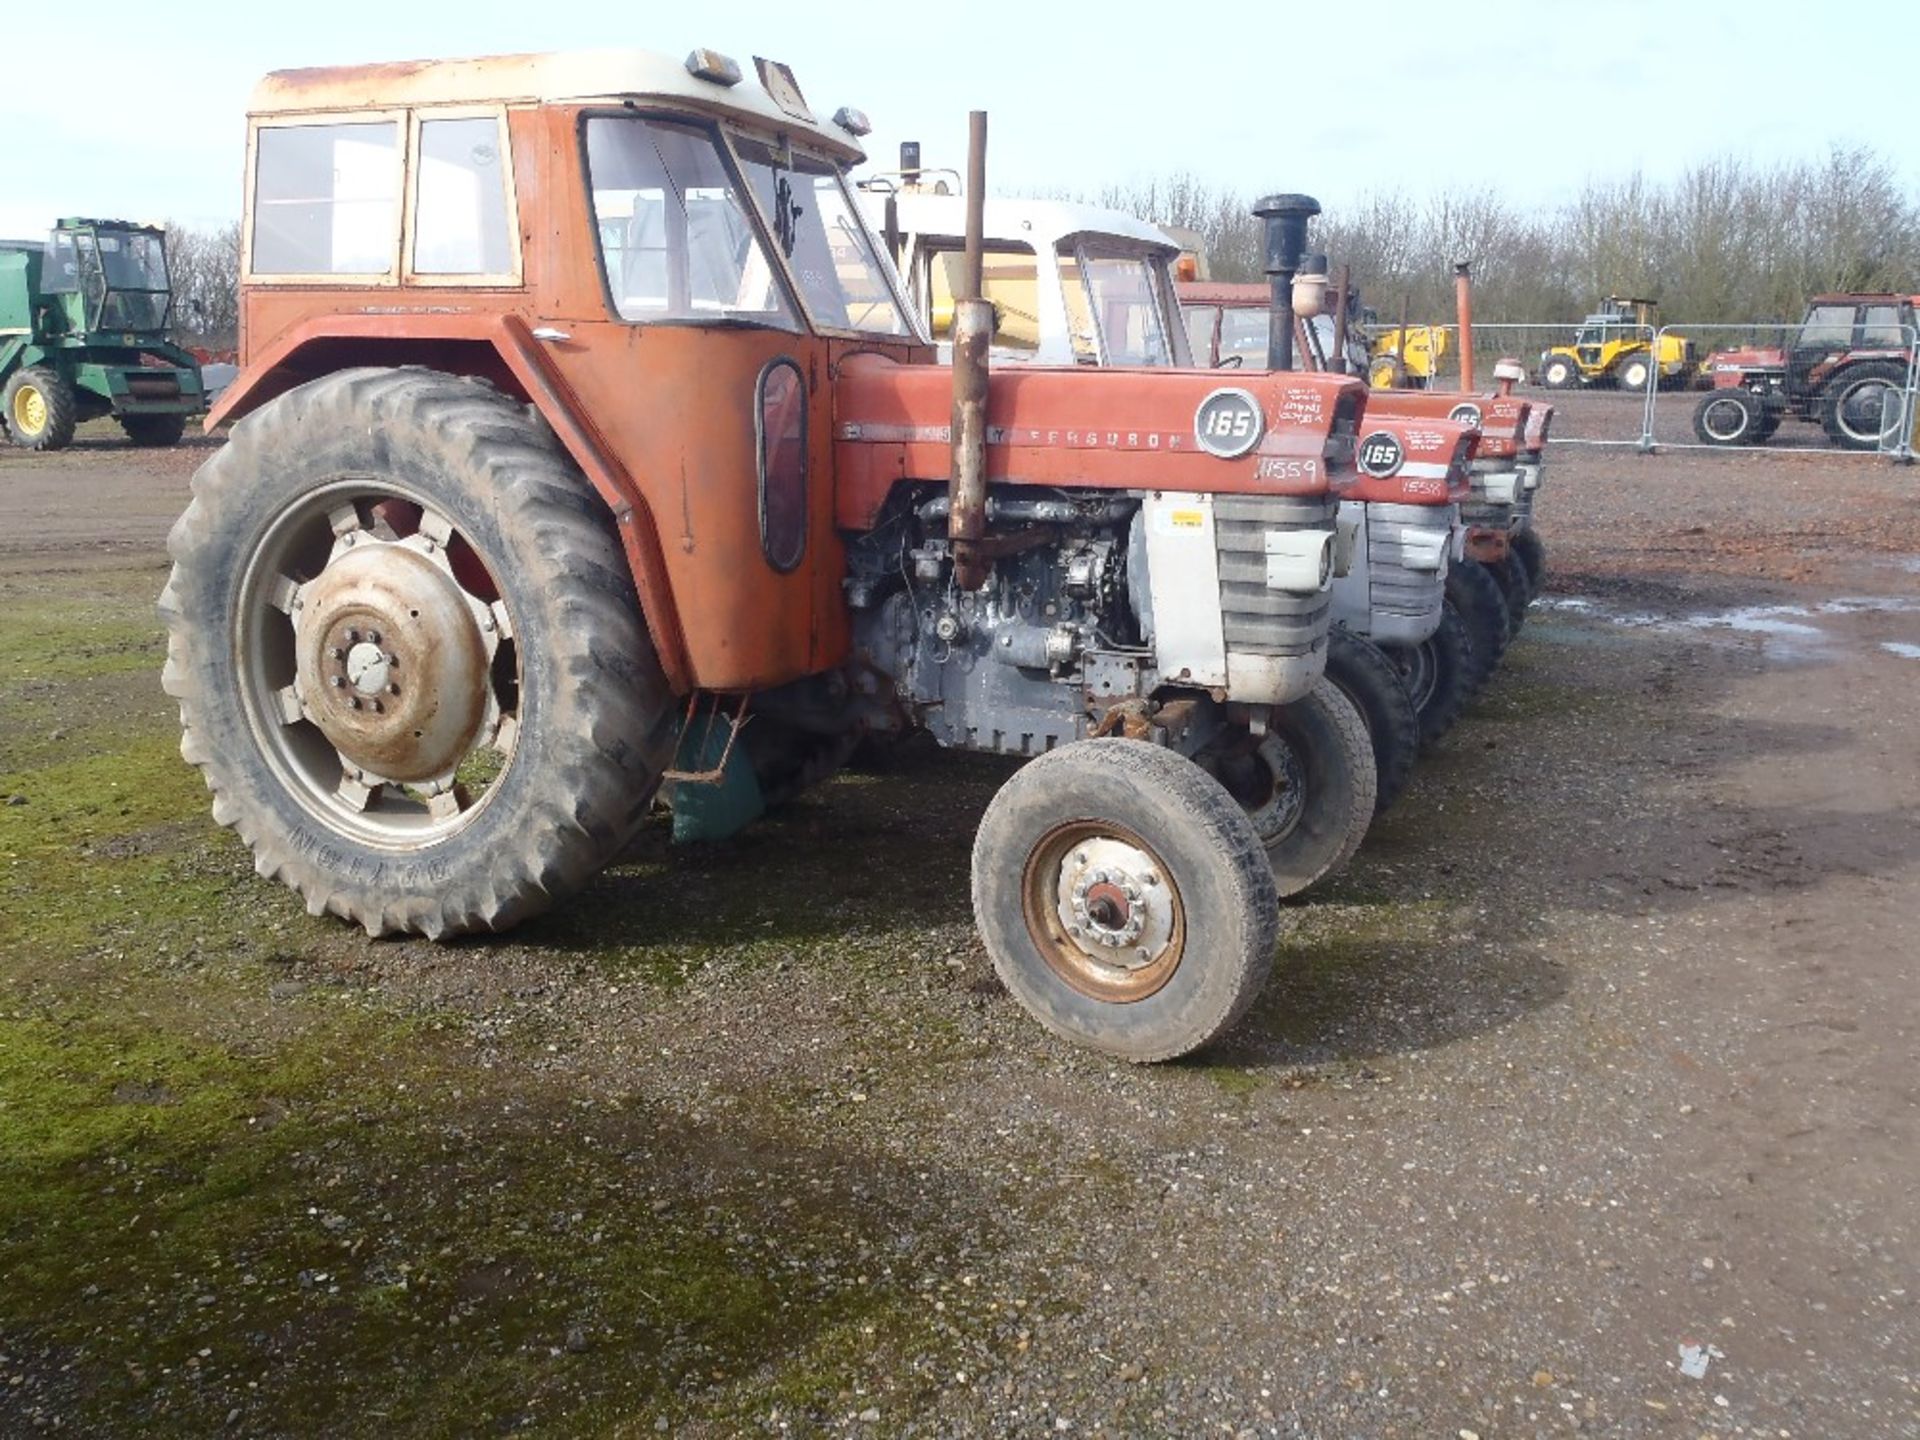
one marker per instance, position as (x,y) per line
(562,77)
(1040,223)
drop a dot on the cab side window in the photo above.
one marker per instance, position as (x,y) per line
(461,225)
(326,199)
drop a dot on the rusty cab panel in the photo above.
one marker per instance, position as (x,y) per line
(619,275)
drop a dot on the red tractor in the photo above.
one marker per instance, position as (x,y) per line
(585,442)
(1848,369)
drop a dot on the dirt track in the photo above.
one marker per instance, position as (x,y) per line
(1605,1047)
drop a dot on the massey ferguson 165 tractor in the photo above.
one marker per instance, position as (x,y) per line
(1095,286)
(1845,369)
(580,414)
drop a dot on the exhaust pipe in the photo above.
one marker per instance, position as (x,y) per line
(972,336)
(1463,309)
(1342,296)
(1285,218)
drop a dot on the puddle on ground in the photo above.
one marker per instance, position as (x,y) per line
(1789,633)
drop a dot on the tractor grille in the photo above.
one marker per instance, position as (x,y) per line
(1258,620)
(1397,534)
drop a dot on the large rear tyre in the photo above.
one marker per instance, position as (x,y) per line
(39,409)
(1532,552)
(154,430)
(1308,784)
(1124,898)
(1633,374)
(1370,679)
(409,659)
(1436,674)
(1864,407)
(1477,596)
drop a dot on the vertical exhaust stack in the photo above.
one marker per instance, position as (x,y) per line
(972,336)
(1342,300)
(1463,307)
(1285,218)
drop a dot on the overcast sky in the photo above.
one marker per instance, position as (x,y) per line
(139,113)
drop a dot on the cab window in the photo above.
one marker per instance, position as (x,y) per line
(1010,279)
(1883,329)
(676,236)
(1125,307)
(326,199)
(461,225)
(1828,326)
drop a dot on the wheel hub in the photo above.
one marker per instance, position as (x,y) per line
(29,410)
(1114,903)
(393,660)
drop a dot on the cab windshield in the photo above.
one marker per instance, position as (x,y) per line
(122,274)
(1124,302)
(676,235)
(813,219)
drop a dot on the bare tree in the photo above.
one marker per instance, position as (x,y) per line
(205,270)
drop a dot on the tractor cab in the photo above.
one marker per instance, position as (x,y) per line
(108,275)
(1069,284)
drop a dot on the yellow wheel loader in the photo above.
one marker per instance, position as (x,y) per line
(1621,346)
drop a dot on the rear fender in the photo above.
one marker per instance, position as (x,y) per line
(502,350)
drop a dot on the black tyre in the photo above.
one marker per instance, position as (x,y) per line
(1511,578)
(1731,416)
(1308,784)
(1559,372)
(409,659)
(1532,551)
(155,430)
(1370,679)
(1436,673)
(1124,898)
(1634,373)
(1865,406)
(39,409)
(1476,596)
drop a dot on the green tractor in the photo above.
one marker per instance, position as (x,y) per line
(83,333)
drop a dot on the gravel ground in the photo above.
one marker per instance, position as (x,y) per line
(1584,1102)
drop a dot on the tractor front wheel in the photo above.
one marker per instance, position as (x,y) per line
(1633,373)
(1370,679)
(1124,898)
(409,659)
(1559,372)
(1436,673)
(1731,416)
(1532,551)
(1308,784)
(1510,575)
(154,430)
(1476,596)
(40,409)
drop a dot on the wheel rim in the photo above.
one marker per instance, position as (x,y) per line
(378,666)
(1269,782)
(1104,911)
(1419,669)
(29,410)
(1863,411)
(1724,419)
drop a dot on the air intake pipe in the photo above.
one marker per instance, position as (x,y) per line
(1285,219)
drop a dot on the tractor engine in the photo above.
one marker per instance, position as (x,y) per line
(1100,606)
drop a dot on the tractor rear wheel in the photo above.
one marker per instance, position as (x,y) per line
(1370,679)
(154,430)
(1124,898)
(1436,673)
(1864,406)
(1476,595)
(1532,551)
(1308,784)
(1559,372)
(1730,416)
(409,659)
(39,409)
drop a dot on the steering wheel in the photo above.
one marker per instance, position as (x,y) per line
(1230,362)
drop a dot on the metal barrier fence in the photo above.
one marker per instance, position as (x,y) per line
(1667,387)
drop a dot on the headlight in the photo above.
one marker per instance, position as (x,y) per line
(1501,487)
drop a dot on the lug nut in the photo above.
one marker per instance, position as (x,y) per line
(393,662)
(393,689)
(353,637)
(377,708)
(338,681)
(353,702)
(373,637)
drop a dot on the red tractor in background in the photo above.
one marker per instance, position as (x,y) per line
(1848,369)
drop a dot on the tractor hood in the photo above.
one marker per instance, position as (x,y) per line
(1501,419)
(1097,429)
(1749,357)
